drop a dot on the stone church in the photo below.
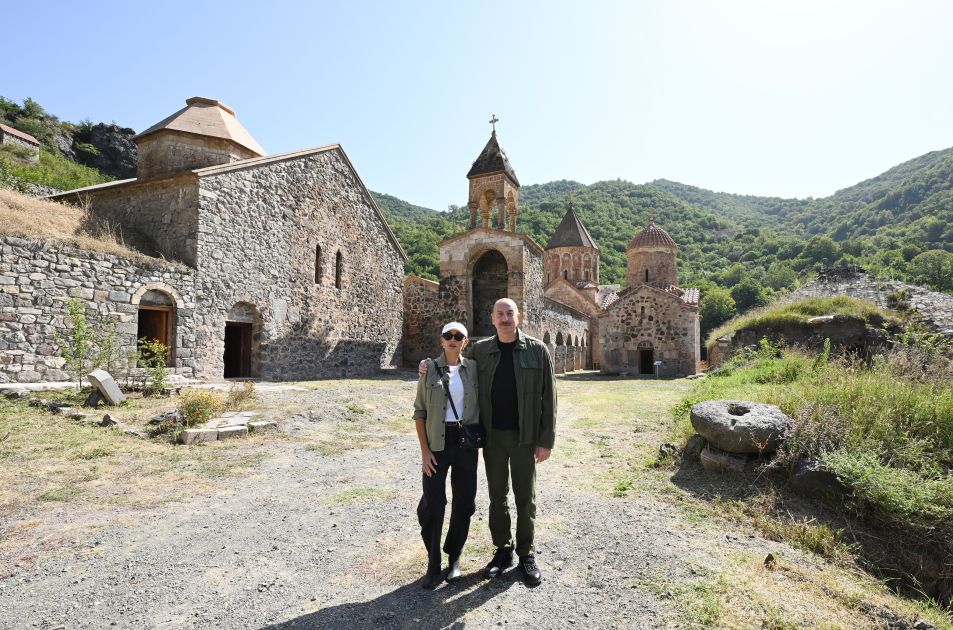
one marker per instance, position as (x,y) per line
(283,267)
(585,324)
(289,269)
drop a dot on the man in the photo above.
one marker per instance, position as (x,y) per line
(517,395)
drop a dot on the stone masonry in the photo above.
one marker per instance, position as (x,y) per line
(37,278)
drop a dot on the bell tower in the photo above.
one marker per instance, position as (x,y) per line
(493,187)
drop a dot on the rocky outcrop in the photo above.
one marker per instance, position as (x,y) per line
(107,148)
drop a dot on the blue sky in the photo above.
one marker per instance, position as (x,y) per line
(792,99)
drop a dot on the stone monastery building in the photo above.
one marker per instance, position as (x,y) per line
(283,267)
(585,324)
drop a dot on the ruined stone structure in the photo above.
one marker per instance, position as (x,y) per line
(289,269)
(557,288)
(16,138)
(652,319)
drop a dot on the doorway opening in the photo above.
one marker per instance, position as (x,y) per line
(646,361)
(238,337)
(156,320)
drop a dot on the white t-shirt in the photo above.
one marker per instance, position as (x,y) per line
(456,394)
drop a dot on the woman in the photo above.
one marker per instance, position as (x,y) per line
(438,419)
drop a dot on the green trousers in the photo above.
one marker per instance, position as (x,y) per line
(504,458)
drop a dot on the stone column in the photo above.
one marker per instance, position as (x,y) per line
(512,213)
(473,213)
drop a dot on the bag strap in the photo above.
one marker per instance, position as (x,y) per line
(445,379)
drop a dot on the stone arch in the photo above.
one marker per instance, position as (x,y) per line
(242,341)
(487,203)
(157,316)
(489,282)
(559,339)
(546,338)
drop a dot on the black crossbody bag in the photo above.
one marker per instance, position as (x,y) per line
(471,435)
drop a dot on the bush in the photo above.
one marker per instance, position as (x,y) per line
(199,406)
(153,356)
(239,394)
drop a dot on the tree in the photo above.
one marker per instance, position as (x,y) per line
(933,268)
(748,293)
(779,276)
(821,249)
(717,306)
(77,346)
(733,275)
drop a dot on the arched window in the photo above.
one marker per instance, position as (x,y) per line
(546,338)
(559,339)
(317,264)
(337,270)
(566,274)
(646,275)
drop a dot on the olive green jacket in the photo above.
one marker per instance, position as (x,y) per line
(535,387)
(431,403)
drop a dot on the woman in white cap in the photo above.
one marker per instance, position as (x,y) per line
(446,400)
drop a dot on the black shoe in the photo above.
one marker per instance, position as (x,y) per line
(529,570)
(502,560)
(432,580)
(453,573)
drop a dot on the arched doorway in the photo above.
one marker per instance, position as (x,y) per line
(646,358)
(157,320)
(489,285)
(240,357)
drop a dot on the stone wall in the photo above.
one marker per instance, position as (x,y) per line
(646,318)
(30,149)
(37,278)
(564,293)
(934,309)
(168,152)
(575,264)
(659,261)
(566,334)
(258,237)
(158,217)
(422,320)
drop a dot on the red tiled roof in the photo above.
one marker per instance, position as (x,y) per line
(18,133)
(653,235)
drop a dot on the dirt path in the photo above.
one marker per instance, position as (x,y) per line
(323,534)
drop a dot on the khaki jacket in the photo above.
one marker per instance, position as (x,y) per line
(535,387)
(432,404)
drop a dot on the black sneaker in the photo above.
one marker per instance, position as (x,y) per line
(502,560)
(529,570)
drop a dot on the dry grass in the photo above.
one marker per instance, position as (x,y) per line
(30,217)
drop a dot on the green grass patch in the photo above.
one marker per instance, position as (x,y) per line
(801,311)
(52,170)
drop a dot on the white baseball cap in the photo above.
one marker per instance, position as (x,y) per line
(455,326)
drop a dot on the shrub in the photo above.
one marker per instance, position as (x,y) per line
(239,394)
(199,406)
(153,356)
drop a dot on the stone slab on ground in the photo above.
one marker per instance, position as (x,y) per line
(226,433)
(740,426)
(198,436)
(107,386)
(263,426)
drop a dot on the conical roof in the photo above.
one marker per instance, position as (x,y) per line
(652,236)
(571,232)
(492,160)
(207,117)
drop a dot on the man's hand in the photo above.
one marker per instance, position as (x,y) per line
(430,462)
(422,368)
(542,454)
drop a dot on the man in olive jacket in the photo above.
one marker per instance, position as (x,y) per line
(517,394)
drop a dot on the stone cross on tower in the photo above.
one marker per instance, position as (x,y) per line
(493,121)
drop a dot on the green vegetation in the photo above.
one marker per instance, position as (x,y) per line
(802,310)
(53,170)
(884,428)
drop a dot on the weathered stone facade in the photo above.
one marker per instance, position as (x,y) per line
(647,324)
(292,271)
(38,278)
(29,145)
(652,320)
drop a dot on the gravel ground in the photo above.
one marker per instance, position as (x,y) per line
(318,539)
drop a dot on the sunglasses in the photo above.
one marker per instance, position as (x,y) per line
(458,336)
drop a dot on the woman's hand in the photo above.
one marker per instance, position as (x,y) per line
(430,462)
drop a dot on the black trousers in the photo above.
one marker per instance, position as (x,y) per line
(461,463)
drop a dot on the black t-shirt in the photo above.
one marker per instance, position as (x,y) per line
(506,414)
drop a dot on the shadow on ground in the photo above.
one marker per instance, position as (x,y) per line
(409,606)
(915,562)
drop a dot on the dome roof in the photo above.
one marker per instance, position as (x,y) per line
(652,236)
